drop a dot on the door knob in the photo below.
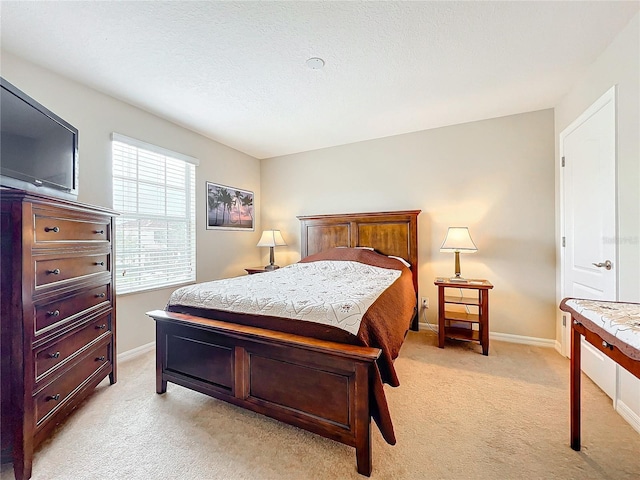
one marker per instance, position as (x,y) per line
(607,265)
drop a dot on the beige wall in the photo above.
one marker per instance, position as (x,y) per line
(618,65)
(219,253)
(495,176)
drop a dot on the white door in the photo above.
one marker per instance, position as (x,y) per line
(589,266)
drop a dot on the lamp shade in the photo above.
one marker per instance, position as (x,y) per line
(271,238)
(458,239)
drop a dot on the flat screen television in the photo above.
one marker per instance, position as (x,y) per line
(38,149)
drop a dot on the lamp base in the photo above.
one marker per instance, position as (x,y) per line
(270,267)
(457,278)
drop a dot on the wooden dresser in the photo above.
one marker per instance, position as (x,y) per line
(58,315)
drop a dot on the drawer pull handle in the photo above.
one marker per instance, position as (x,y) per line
(55,271)
(100,264)
(54,355)
(100,358)
(55,313)
(101,327)
(55,397)
(99,232)
(100,295)
(52,229)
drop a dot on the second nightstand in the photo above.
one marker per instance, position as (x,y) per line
(253,270)
(459,324)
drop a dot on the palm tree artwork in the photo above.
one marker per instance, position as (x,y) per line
(229,208)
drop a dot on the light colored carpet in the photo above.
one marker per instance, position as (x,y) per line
(457,415)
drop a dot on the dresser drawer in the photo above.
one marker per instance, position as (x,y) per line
(54,395)
(60,229)
(49,357)
(59,269)
(50,315)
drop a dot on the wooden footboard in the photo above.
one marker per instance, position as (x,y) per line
(320,386)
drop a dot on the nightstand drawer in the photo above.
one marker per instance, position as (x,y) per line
(58,392)
(55,229)
(54,270)
(48,358)
(50,315)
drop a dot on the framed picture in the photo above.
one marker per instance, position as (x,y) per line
(229,208)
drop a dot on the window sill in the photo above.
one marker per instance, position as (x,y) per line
(154,289)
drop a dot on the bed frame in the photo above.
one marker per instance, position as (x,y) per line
(323,387)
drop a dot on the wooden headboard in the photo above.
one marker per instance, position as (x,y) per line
(389,233)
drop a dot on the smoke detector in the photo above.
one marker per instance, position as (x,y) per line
(315,63)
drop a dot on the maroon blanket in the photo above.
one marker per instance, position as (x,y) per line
(384,325)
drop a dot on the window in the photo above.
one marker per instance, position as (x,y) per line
(154,192)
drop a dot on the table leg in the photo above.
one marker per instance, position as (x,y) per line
(484,320)
(441,317)
(575,388)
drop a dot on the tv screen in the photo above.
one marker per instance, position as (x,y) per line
(38,149)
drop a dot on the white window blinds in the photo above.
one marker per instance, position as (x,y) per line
(154,192)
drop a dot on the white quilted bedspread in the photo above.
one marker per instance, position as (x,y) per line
(335,293)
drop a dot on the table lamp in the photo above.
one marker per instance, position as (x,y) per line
(271,238)
(458,240)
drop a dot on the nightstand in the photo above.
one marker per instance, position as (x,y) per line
(253,270)
(459,323)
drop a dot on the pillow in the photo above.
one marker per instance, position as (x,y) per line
(362,255)
(400,259)
(365,248)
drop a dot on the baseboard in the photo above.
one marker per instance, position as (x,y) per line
(506,337)
(533,341)
(424,326)
(629,415)
(558,347)
(136,352)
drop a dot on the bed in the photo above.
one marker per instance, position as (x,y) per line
(315,376)
(611,327)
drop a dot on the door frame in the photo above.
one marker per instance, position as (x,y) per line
(564,319)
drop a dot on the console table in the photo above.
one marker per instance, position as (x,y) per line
(611,327)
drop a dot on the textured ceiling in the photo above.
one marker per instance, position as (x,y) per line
(235,71)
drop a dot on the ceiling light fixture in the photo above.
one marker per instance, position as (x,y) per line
(315,63)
